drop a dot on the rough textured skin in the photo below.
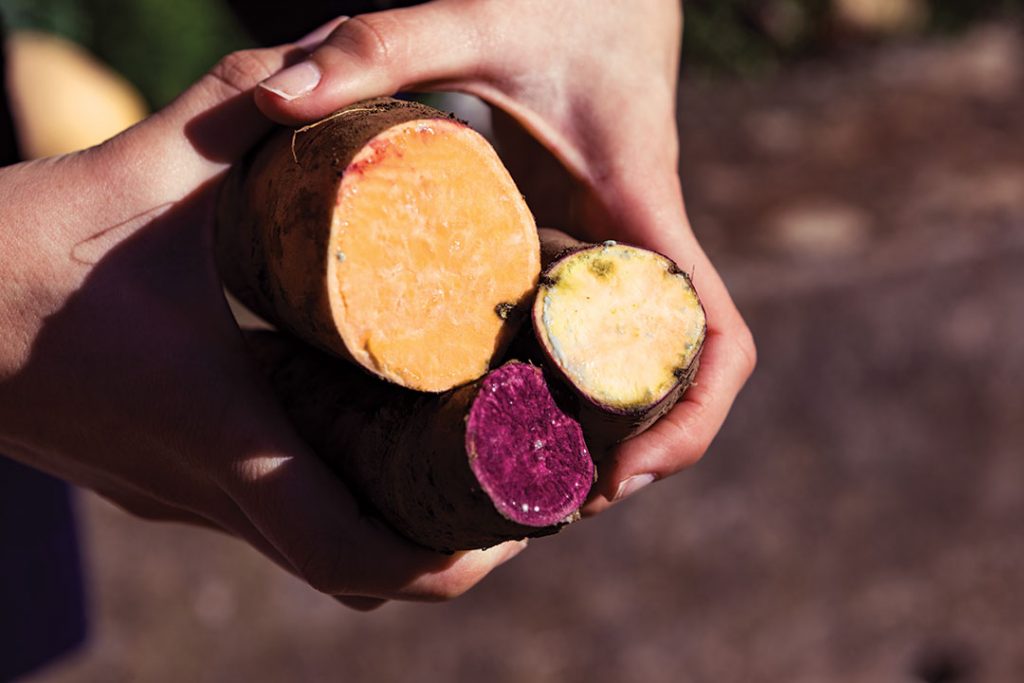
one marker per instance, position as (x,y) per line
(404,453)
(274,234)
(279,200)
(603,425)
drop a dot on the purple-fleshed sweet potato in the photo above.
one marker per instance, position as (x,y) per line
(488,462)
(623,326)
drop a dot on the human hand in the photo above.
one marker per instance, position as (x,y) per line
(595,83)
(122,370)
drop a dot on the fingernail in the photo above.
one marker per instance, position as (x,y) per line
(295,81)
(632,485)
(312,40)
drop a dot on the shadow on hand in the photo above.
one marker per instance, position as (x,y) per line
(137,379)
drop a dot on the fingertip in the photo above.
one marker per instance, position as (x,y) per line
(294,81)
(680,438)
(278,96)
(481,561)
(466,570)
(370,55)
(274,106)
(631,484)
(512,549)
(288,96)
(316,87)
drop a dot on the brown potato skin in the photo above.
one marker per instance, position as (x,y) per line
(401,452)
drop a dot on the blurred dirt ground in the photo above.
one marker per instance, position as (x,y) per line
(861,517)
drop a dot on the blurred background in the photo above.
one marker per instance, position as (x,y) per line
(856,170)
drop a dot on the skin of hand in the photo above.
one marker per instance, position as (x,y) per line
(593,83)
(122,370)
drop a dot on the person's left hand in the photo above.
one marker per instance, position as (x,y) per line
(123,371)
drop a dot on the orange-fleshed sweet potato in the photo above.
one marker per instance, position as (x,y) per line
(390,234)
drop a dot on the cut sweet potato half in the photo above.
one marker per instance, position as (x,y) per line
(623,326)
(390,234)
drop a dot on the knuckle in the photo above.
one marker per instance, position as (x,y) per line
(241,71)
(678,459)
(369,38)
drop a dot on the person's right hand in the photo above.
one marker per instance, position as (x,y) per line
(122,370)
(595,84)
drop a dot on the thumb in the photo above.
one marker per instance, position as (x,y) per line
(378,54)
(212,123)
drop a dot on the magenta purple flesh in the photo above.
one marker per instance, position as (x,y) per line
(531,458)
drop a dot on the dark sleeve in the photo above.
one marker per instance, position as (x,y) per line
(9,153)
(41,590)
(269,25)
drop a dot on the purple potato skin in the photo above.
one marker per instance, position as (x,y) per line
(604,426)
(411,457)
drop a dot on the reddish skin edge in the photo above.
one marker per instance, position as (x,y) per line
(605,425)
(404,453)
(381,149)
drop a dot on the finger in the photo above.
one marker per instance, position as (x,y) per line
(224,516)
(653,216)
(646,208)
(376,54)
(338,550)
(311,518)
(681,437)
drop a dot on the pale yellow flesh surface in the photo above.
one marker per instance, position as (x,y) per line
(622,323)
(429,237)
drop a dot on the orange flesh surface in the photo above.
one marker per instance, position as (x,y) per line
(430,236)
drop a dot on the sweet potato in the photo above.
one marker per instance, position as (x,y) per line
(623,326)
(388,233)
(491,461)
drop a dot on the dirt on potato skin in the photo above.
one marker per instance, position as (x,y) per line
(861,516)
